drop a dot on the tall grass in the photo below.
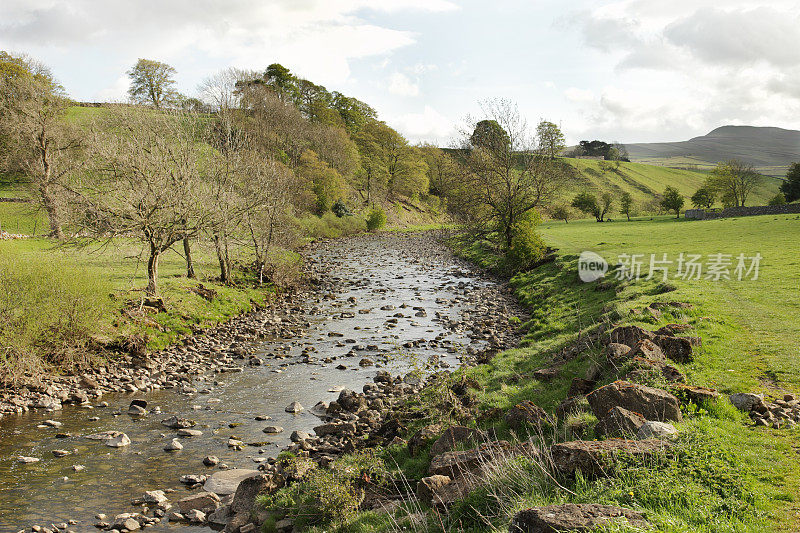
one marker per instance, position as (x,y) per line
(47,313)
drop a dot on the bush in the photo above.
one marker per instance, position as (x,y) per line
(340,209)
(527,246)
(778,199)
(329,225)
(47,313)
(376,219)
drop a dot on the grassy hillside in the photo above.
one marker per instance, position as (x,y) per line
(646,182)
(770,150)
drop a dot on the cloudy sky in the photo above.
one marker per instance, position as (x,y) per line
(626,70)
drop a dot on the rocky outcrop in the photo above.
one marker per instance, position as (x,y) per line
(574,517)
(526,415)
(651,403)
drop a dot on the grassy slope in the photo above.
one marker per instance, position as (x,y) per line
(644,182)
(751,341)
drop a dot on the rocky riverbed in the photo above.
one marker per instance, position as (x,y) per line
(233,397)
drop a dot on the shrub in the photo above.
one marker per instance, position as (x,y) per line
(527,246)
(376,219)
(47,313)
(778,199)
(339,208)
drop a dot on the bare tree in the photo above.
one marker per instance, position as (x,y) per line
(503,178)
(149,182)
(37,140)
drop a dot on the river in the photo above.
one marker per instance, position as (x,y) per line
(403,301)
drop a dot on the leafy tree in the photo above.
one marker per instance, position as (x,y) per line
(626,204)
(152,83)
(282,81)
(734,180)
(704,197)
(594,148)
(791,187)
(550,139)
(606,205)
(561,212)
(586,202)
(778,199)
(489,135)
(353,112)
(672,200)
(326,184)
(34,137)
(443,171)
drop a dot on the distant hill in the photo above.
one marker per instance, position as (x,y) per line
(770,150)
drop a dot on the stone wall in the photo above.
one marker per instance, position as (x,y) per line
(706,214)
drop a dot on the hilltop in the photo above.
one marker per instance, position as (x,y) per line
(770,150)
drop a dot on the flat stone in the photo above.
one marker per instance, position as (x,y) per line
(746,401)
(225,482)
(27,460)
(189,432)
(336,428)
(204,501)
(272,429)
(573,517)
(176,422)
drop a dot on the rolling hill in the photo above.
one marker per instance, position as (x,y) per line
(770,150)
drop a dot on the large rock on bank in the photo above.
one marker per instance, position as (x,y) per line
(651,403)
(595,458)
(573,517)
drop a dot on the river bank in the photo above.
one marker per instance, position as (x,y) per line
(383,303)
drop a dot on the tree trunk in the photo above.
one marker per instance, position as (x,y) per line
(49,204)
(152,271)
(223,265)
(187,250)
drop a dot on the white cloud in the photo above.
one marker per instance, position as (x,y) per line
(401,85)
(573,94)
(317,37)
(428,125)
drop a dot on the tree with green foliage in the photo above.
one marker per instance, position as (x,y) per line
(791,187)
(489,135)
(626,204)
(672,200)
(734,180)
(586,203)
(353,112)
(281,80)
(550,139)
(778,199)
(561,212)
(36,139)
(326,184)
(704,197)
(606,205)
(152,83)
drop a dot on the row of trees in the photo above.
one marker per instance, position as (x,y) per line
(272,147)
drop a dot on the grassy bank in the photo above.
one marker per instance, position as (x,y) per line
(723,474)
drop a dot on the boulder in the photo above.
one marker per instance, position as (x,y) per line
(656,430)
(679,349)
(272,429)
(173,445)
(335,428)
(250,488)
(573,517)
(176,422)
(630,335)
(204,501)
(525,414)
(225,482)
(651,403)
(294,408)
(429,486)
(746,401)
(351,401)
(580,387)
(616,351)
(619,422)
(298,436)
(423,437)
(646,349)
(454,436)
(696,395)
(455,464)
(117,439)
(546,375)
(597,457)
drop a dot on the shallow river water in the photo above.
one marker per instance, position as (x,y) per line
(378,271)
